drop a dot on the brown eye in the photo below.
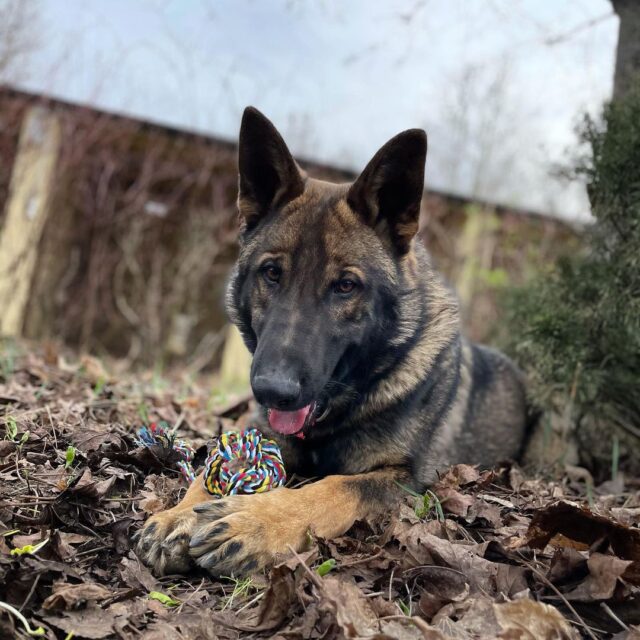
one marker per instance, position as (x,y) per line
(345,286)
(271,273)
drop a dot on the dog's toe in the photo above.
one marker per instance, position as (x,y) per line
(227,538)
(163,543)
(242,534)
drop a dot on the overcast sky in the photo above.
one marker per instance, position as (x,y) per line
(498,84)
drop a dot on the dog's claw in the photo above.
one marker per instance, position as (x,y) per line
(229,537)
(163,543)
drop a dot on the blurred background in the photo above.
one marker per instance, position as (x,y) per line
(118,129)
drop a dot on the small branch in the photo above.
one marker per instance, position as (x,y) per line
(569,606)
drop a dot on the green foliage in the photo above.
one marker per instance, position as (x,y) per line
(11,429)
(576,327)
(69,456)
(99,386)
(166,600)
(427,505)
(325,567)
(241,589)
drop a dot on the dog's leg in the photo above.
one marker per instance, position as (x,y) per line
(239,534)
(164,541)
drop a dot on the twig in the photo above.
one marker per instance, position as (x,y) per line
(607,608)
(191,596)
(418,622)
(314,578)
(360,560)
(33,588)
(53,429)
(87,552)
(391,582)
(550,584)
(252,601)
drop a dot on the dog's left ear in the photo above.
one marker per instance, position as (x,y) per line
(269,176)
(388,192)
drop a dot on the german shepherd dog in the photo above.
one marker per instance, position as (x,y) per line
(359,366)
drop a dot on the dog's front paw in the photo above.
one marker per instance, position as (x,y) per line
(163,543)
(241,534)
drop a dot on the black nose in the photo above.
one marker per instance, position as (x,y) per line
(276,391)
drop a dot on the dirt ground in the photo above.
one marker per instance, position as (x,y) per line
(492,554)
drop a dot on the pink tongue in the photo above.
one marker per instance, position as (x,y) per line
(288,422)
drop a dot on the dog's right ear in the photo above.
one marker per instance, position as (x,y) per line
(269,176)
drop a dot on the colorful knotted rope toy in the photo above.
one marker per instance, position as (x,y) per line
(158,434)
(244,462)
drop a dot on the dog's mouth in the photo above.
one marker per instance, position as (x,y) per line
(295,423)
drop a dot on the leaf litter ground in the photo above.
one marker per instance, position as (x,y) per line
(483,554)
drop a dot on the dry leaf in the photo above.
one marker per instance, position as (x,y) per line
(581,525)
(90,623)
(530,620)
(453,501)
(604,573)
(353,613)
(72,596)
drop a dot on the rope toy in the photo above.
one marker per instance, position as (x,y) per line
(243,463)
(159,434)
(238,463)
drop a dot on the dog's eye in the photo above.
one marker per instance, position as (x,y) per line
(344,286)
(271,273)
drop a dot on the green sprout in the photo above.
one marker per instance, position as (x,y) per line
(37,632)
(99,386)
(29,549)
(426,504)
(11,429)
(241,589)
(69,456)
(325,567)
(404,608)
(166,600)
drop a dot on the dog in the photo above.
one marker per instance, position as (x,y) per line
(359,365)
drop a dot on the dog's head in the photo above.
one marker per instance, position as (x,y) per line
(321,268)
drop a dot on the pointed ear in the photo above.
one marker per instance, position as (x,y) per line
(269,176)
(389,191)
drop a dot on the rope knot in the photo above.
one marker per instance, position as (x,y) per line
(244,462)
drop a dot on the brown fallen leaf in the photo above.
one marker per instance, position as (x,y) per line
(581,525)
(480,509)
(93,624)
(530,620)
(458,476)
(87,486)
(567,564)
(440,586)
(285,582)
(121,537)
(73,596)
(524,619)
(351,611)
(92,438)
(453,501)
(278,599)
(604,573)
(136,575)
(423,548)
(150,502)
(470,618)
(20,540)
(7,447)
